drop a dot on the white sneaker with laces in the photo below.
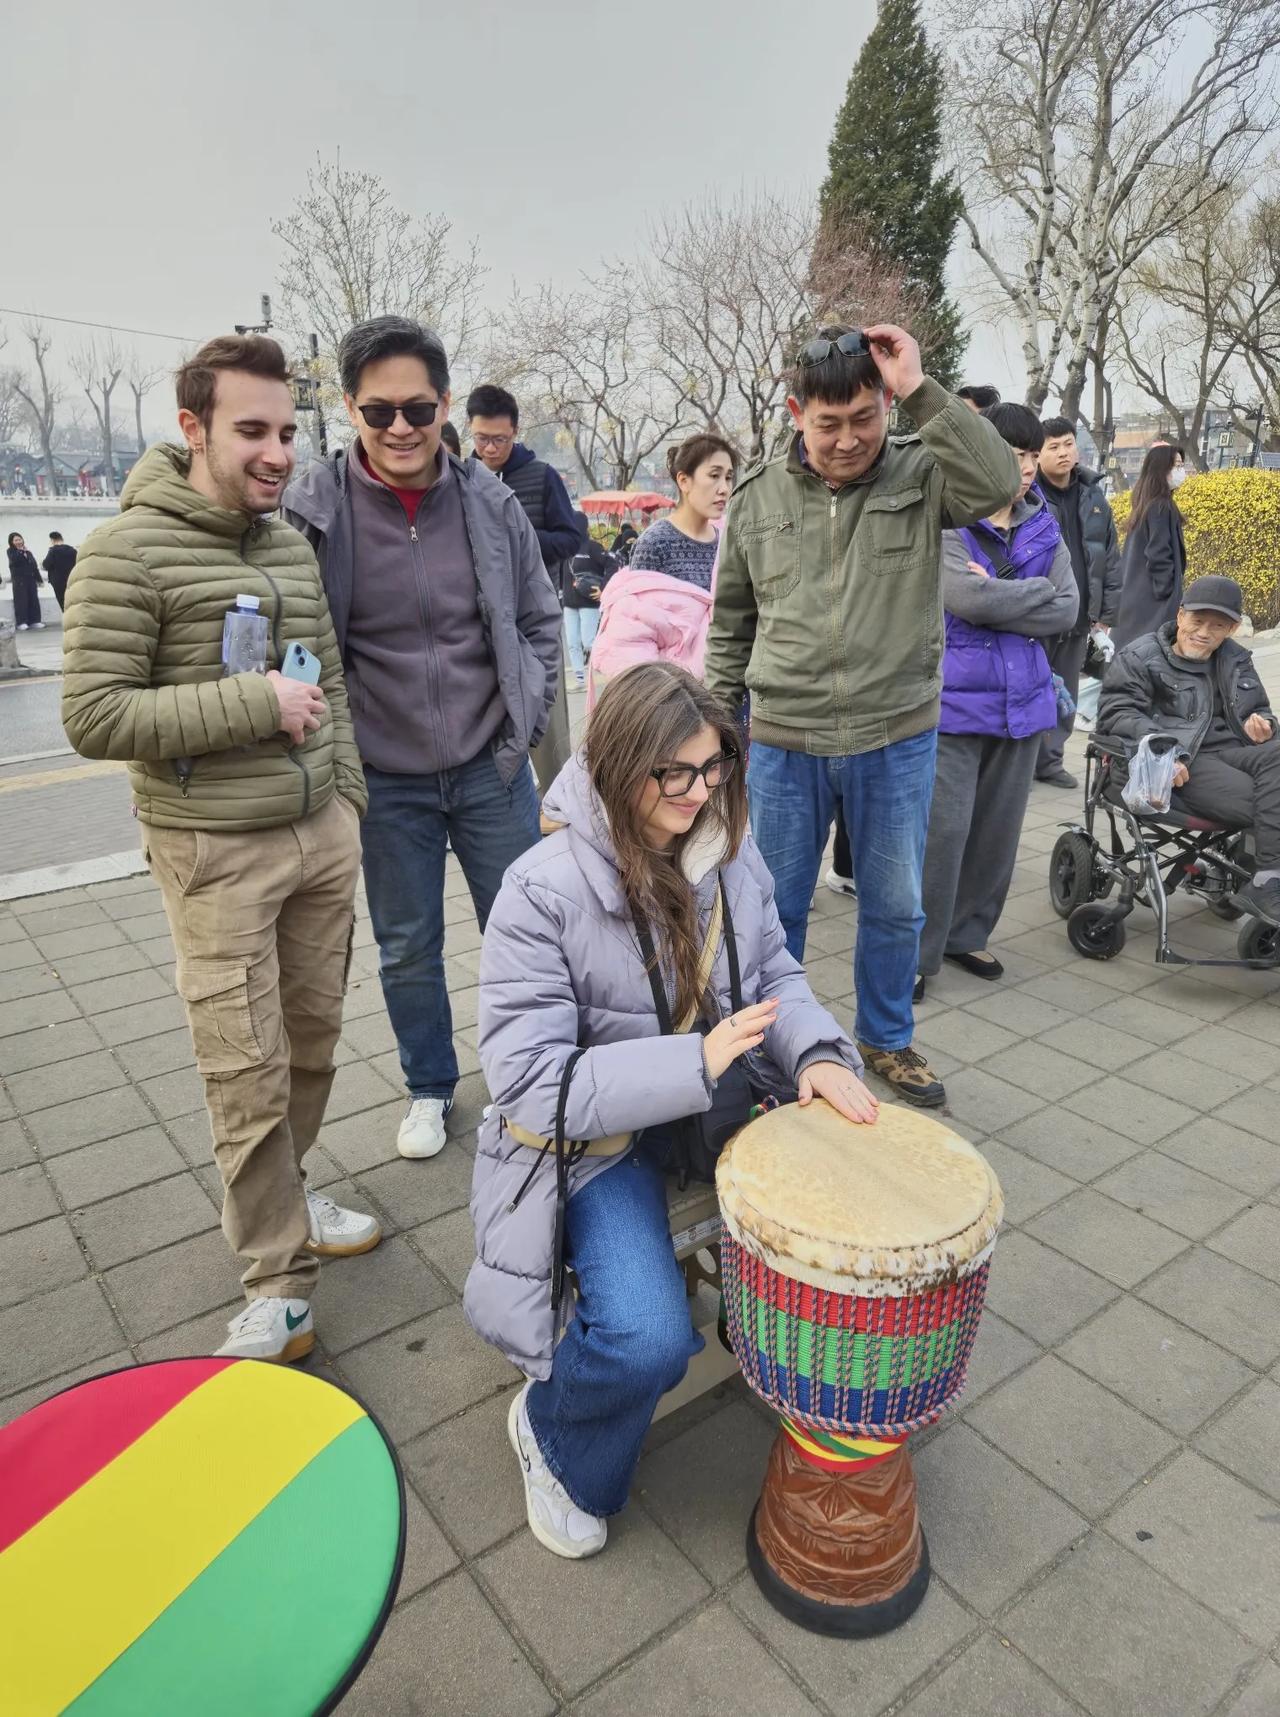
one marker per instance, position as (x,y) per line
(840,884)
(274,1329)
(555,1519)
(422,1130)
(339,1233)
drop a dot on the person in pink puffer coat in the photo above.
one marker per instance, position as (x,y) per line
(648,617)
(659,608)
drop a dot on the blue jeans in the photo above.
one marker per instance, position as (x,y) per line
(409,820)
(885,795)
(631,1339)
(580,628)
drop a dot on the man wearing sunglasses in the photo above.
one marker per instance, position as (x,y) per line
(449,629)
(829,612)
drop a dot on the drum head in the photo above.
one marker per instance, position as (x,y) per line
(195,1536)
(899,1205)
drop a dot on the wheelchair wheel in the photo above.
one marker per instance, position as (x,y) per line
(1070,873)
(1097,932)
(1259,940)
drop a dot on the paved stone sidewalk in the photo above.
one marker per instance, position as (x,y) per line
(1103,1510)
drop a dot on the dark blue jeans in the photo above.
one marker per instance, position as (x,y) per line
(409,820)
(632,1336)
(885,795)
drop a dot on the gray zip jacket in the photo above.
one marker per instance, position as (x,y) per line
(519,608)
(561,968)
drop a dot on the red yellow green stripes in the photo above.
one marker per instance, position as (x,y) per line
(94,1573)
(57,1448)
(837,1453)
(311,1572)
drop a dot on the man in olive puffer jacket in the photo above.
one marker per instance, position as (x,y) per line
(250,792)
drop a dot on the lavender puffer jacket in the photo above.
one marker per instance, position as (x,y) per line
(561,968)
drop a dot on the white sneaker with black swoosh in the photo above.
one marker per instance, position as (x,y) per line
(270,1328)
(555,1519)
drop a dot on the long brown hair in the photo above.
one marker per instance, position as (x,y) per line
(1153,481)
(642,719)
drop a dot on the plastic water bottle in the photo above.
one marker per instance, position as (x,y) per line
(244,638)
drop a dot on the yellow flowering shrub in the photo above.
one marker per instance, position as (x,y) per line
(1232,525)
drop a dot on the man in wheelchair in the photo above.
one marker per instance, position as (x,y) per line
(1191,681)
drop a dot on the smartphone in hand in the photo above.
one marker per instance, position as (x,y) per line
(300,664)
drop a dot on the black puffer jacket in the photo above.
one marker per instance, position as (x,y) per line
(1151,689)
(1097,537)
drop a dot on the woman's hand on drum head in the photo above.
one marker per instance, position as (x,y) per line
(845,1092)
(734,1036)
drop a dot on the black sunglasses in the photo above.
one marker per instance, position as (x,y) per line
(851,345)
(417,413)
(677,779)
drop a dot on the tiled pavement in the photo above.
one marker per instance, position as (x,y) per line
(1103,1509)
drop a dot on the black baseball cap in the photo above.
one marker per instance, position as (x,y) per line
(1221,595)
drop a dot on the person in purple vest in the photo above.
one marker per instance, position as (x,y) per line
(1007,583)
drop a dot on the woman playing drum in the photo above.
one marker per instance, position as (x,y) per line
(653,852)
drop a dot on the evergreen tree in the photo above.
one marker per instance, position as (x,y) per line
(883,157)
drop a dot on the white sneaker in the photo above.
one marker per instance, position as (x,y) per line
(422,1130)
(21,626)
(840,884)
(38,626)
(275,1329)
(339,1233)
(555,1519)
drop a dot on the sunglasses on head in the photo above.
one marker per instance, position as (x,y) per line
(417,413)
(854,344)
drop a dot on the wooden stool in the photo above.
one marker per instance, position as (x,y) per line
(695,1234)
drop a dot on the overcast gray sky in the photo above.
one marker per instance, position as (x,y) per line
(149,145)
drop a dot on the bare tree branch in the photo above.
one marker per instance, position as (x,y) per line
(1081,150)
(41,394)
(350,254)
(98,367)
(141,377)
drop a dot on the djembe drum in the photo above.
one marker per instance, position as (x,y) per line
(855,1263)
(194,1536)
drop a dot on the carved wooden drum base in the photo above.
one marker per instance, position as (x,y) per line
(835,1542)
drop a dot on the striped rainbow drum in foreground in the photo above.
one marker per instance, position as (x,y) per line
(854,1262)
(197,1537)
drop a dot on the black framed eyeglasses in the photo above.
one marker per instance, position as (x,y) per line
(854,344)
(417,413)
(676,779)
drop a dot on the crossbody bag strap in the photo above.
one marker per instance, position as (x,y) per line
(567,1154)
(719,920)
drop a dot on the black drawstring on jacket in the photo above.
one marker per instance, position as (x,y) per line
(569,1152)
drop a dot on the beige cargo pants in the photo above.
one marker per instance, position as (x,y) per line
(261,926)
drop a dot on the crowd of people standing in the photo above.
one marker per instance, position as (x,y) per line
(884,628)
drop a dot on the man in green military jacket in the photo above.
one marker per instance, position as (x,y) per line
(828,612)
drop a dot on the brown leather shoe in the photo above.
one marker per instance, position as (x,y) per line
(907,1071)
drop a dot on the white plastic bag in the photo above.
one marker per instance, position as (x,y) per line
(1149,788)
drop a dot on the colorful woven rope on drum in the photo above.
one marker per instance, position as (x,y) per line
(837,1453)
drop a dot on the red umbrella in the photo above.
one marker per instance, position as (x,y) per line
(625,501)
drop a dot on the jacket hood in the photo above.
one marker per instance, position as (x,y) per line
(518,456)
(1032,502)
(160,481)
(316,494)
(572,804)
(636,581)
